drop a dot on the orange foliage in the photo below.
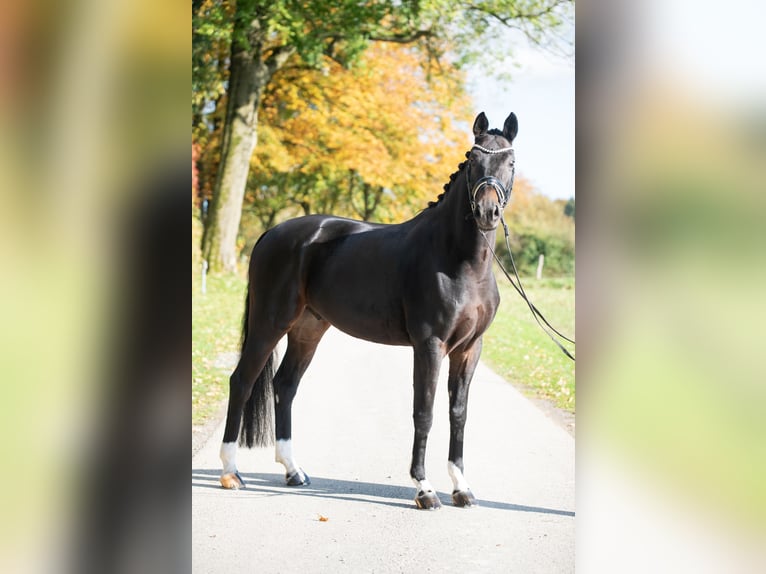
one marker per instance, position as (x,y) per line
(379,138)
(195,172)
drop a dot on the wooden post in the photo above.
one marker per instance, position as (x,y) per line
(540,262)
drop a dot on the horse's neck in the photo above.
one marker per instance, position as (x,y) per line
(462,237)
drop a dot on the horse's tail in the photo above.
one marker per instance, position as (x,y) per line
(258,412)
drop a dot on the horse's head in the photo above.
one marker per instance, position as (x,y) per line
(490,171)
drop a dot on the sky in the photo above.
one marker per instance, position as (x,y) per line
(725,66)
(541,93)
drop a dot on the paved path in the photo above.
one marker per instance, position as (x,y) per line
(352,433)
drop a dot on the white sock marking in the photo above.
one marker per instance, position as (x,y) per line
(229,457)
(423,486)
(284,455)
(458,480)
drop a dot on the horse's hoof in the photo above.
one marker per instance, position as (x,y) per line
(427,500)
(298,478)
(464,499)
(232,481)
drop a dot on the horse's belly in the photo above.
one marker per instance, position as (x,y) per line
(374,335)
(369,320)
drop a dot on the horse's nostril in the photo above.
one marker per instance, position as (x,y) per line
(496,212)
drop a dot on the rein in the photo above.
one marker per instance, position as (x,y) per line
(504,196)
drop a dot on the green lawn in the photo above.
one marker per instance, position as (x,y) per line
(216,325)
(518,350)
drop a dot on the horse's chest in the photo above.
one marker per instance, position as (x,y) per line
(466,312)
(471,319)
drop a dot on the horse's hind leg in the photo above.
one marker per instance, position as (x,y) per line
(302,341)
(461,367)
(255,359)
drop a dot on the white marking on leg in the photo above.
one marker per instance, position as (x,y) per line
(423,486)
(284,455)
(229,457)
(458,480)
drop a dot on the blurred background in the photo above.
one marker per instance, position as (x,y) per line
(93,350)
(671,180)
(671,137)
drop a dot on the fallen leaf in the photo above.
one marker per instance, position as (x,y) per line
(323,518)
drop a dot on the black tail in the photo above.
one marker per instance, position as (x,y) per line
(258,413)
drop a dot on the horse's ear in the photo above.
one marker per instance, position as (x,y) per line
(511,127)
(480,125)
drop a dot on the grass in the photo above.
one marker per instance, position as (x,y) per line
(518,350)
(216,325)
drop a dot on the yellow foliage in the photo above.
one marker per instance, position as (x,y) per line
(380,127)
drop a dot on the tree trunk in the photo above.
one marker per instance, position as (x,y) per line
(249,74)
(246,82)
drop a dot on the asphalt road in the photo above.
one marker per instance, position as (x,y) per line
(352,433)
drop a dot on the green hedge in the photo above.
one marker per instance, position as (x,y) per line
(527,247)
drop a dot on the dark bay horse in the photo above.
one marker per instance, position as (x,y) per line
(426,283)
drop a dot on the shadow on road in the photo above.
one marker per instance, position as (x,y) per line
(261,484)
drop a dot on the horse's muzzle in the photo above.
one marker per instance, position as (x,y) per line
(488,198)
(487,215)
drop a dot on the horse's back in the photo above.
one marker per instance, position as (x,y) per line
(300,232)
(344,270)
(286,243)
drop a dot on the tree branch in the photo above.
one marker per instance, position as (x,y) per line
(278,57)
(516,19)
(403,38)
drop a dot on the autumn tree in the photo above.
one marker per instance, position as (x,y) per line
(210,57)
(376,140)
(264,35)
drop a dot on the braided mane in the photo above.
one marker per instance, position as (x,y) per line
(449,183)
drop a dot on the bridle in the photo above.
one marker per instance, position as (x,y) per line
(503,195)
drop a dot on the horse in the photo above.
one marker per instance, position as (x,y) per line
(426,283)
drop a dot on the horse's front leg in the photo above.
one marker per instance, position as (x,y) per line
(462,364)
(428,358)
